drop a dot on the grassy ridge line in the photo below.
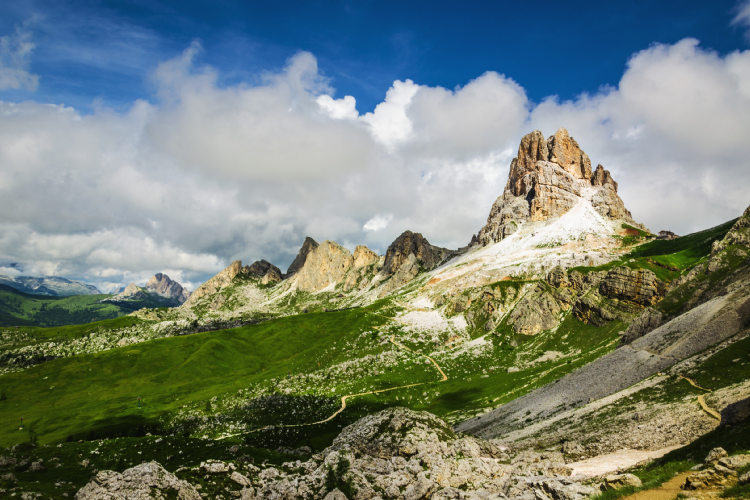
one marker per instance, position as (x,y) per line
(23,309)
(668,259)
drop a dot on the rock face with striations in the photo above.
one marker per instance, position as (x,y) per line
(162,285)
(547,178)
(308,246)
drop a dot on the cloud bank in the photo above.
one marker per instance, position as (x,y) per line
(205,173)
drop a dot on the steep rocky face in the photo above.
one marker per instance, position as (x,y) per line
(365,263)
(407,255)
(162,285)
(221,280)
(639,286)
(308,246)
(408,243)
(547,178)
(324,266)
(267,272)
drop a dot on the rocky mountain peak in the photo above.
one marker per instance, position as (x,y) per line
(324,265)
(410,243)
(546,179)
(564,151)
(267,272)
(221,280)
(307,246)
(163,285)
(407,255)
(132,290)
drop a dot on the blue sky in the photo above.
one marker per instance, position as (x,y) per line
(144,137)
(87,52)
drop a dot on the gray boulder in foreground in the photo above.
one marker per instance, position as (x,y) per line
(142,482)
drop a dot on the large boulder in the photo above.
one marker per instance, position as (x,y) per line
(145,481)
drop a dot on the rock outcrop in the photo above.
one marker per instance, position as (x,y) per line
(162,285)
(267,272)
(639,286)
(213,285)
(307,246)
(325,265)
(131,292)
(409,254)
(145,481)
(364,264)
(400,453)
(547,178)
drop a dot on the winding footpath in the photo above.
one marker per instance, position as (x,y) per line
(701,399)
(393,341)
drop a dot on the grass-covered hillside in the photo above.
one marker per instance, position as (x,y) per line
(18,308)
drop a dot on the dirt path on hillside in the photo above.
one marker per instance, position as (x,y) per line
(702,399)
(666,491)
(393,341)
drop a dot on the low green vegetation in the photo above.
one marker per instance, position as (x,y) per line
(668,259)
(70,465)
(23,309)
(134,386)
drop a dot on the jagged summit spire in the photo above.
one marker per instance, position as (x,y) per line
(307,246)
(547,178)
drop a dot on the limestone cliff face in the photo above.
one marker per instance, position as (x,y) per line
(364,264)
(330,265)
(163,285)
(221,280)
(307,246)
(267,272)
(547,178)
(325,265)
(407,255)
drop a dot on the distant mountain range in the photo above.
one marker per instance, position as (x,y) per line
(56,301)
(49,285)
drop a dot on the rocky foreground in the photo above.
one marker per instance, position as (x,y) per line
(400,453)
(396,453)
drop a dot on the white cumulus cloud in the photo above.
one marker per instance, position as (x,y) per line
(205,173)
(377,223)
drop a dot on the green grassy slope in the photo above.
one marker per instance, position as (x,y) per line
(668,259)
(22,309)
(75,395)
